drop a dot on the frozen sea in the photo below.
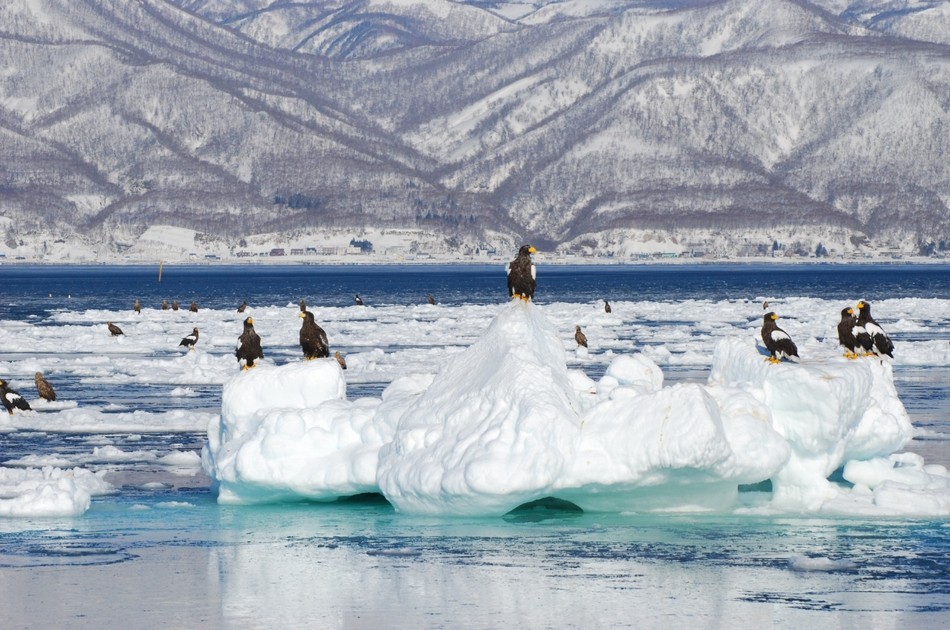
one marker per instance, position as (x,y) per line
(158,551)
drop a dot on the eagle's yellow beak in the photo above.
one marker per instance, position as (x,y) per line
(774,316)
(300,314)
(531,250)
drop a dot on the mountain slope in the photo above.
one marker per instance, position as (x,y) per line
(576,124)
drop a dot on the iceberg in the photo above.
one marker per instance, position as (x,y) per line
(505,422)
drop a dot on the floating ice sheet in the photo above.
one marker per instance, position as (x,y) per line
(505,422)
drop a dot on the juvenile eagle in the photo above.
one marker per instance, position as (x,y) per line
(242,307)
(339,359)
(313,339)
(194,307)
(115,330)
(580,337)
(522,274)
(248,346)
(43,388)
(606,306)
(11,399)
(777,341)
(137,306)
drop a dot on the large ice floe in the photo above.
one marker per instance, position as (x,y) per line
(505,422)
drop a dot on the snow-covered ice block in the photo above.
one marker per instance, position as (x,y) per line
(829,411)
(289,433)
(505,422)
(49,491)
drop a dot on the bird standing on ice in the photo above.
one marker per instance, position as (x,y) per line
(43,388)
(313,339)
(580,337)
(777,341)
(189,341)
(114,330)
(881,343)
(248,346)
(11,399)
(522,274)
(852,335)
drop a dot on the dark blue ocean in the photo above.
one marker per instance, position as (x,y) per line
(161,553)
(34,290)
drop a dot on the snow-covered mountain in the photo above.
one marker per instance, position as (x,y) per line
(584,125)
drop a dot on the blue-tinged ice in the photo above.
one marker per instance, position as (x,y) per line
(505,422)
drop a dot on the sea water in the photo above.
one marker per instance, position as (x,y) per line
(161,553)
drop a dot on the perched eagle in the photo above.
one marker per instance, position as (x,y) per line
(430,299)
(137,306)
(242,307)
(339,359)
(12,399)
(580,337)
(43,388)
(606,306)
(164,305)
(303,305)
(852,335)
(194,307)
(777,341)
(847,328)
(880,342)
(359,300)
(313,339)
(174,305)
(248,346)
(189,341)
(522,274)
(115,330)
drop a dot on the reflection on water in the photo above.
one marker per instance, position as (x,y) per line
(360,565)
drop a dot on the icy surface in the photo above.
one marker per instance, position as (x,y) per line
(48,491)
(506,421)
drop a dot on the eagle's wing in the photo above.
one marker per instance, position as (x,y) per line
(778,334)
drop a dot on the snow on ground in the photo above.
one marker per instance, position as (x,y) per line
(476,409)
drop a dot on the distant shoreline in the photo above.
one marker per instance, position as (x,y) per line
(560,261)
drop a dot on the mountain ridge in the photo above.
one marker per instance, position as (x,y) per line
(576,125)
